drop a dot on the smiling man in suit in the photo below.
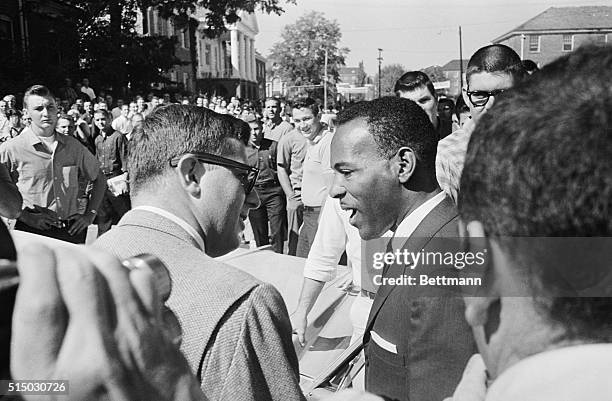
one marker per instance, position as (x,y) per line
(383,155)
(191,190)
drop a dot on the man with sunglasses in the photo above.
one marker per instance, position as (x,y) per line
(491,70)
(191,191)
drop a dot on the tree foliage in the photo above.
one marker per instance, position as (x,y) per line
(300,55)
(111,52)
(389,75)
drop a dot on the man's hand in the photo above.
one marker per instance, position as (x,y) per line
(299,321)
(346,283)
(81,222)
(83,317)
(41,219)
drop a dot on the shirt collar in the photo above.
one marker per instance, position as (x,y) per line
(412,221)
(182,223)
(33,139)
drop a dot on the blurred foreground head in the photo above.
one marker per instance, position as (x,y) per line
(538,165)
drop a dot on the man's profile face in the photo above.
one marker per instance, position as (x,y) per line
(125,110)
(100,121)
(364,182)
(133,107)
(488,82)
(43,112)
(423,97)
(227,205)
(3,107)
(272,108)
(306,122)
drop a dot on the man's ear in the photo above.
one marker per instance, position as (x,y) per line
(466,98)
(407,161)
(190,173)
(482,311)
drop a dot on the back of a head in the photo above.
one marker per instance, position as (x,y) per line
(307,103)
(496,58)
(530,66)
(394,123)
(411,81)
(172,130)
(539,165)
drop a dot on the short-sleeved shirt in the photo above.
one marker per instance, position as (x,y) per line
(291,153)
(275,132)
(316,170)
(48,179)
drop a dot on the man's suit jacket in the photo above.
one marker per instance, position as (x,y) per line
(432,340)
(236,330)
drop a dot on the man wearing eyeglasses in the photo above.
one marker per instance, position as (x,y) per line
(191,191)
(491,70)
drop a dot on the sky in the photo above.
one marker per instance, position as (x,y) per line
(415,34)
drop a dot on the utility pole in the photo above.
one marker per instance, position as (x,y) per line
(325,83)
(380,59)
(460,62)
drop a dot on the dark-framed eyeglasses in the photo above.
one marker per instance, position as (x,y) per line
(481,98)
(246,174)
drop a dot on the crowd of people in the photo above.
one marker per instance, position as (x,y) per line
(521,154)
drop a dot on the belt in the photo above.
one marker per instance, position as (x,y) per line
(312,208)
(268,184)
(368,294)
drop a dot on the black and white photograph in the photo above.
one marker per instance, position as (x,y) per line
(306,200)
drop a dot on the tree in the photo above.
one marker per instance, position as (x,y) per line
(434,73)
(362,77)
(389,75)
(111,52)
(300,55)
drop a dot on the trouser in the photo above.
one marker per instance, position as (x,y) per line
(295,216)
(111,210)
(308,231)
(60,233)
(271,209)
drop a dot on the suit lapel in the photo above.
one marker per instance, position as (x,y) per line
(443,213)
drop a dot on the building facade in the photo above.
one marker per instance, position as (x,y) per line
(559,30)
(38,42)
(452,71)
(227,65)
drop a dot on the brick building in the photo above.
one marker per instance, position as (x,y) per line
(559,30)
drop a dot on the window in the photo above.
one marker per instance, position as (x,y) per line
(534,43)
(185,80)
(207,54)
(601,39)
(185,38)
(568,43)
(170,29)
(6,29)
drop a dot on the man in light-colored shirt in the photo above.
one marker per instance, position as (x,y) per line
(317,172)
(86,89)
(491,70)
(274,128)
(290,159)
(46,168)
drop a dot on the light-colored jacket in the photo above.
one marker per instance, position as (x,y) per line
(236,330)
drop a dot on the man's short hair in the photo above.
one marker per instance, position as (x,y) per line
(307,103)
(540,166)
(273,99)
(394,123)
(530,66)
(173,130)
(101,111)
(496,59)
(413,80)
(37,90)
